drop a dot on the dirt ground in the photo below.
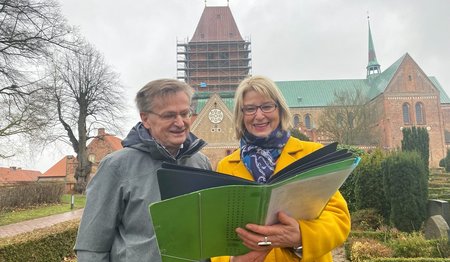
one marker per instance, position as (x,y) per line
(339,255)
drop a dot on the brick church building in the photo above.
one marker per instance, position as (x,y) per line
(216,58)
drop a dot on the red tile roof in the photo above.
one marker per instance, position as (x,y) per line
(60,168)
(113,141)
(216,24)
(15,174)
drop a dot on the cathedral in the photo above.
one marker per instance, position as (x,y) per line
(217,58)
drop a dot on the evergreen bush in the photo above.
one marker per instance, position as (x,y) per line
(417,139)
(447,161)
(366,219)
(298,134)
(405,181)
(348,188)
(369,190)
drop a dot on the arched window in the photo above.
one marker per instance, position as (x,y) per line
(308,121)
(340,119)
(406,114)
(296,120)
(351,119)
(420,116)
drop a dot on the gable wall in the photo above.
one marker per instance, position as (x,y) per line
(446,116)
(216,128)
(411,86)
(100,147)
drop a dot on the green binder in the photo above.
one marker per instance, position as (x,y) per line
(202,224)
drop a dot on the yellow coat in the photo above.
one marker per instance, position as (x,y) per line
(319,236)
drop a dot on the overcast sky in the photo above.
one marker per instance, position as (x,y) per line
(291,39)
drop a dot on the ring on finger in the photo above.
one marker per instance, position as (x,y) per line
(265,242)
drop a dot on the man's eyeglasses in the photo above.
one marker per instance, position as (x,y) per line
(265,108)
(172,116)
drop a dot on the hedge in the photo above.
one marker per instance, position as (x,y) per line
(42,245)
(415,259)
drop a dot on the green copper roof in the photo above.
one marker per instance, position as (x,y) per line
(206,94)
(372,55)
(444,97)
(201,102)
(380,82)
(320,93)
(317,93)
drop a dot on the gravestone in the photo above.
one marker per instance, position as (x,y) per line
(436,227)
(439,207)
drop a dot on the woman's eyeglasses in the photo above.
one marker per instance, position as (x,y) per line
(172,116)
(265,108)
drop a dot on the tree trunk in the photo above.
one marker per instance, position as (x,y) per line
(84,166)
(82,175)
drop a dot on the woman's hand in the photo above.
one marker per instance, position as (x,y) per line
(284,234)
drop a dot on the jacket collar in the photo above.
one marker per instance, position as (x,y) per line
(140,139)
(287,156)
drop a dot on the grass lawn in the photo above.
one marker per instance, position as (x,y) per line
(42,211)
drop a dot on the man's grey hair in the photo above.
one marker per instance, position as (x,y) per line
(160,88)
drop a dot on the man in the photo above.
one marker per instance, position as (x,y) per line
(116,225)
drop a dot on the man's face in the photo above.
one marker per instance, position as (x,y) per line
(169,121)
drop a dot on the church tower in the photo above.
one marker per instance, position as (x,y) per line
(373,68)
(216,58)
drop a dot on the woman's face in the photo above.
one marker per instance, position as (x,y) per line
(260,124)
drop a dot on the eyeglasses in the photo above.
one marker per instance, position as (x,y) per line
(265,108)
(172,116)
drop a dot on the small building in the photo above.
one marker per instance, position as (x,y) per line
(64,170)
(14,175)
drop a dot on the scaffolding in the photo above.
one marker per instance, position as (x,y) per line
(213,66)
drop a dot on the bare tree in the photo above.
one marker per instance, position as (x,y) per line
(350,119)
(29,32)
(86,94)
(23,113)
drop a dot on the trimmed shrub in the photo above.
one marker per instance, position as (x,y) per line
(366,219)
(446,162)
(403,246)
(441,247)
(298,134)
(405,181)
(419,259)
(443,161)
(369,191)
(412,245)
(348,188)
(364,249)
(43,245)
(417,139)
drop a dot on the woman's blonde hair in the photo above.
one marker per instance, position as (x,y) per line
(265,87)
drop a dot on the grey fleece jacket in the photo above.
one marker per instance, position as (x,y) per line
(116,225)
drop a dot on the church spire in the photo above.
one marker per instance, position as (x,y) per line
(373,68)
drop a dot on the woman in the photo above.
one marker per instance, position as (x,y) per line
(262,120)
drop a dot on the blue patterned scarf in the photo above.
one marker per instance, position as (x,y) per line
(260,154)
